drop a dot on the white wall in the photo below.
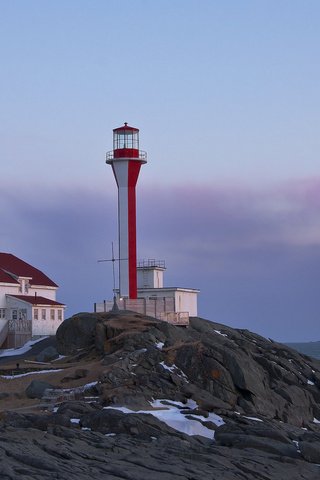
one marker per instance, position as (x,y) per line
(47,326)
(47,292)
(150,278)
(15,304)
(187,301)
(41,326)
(7,289)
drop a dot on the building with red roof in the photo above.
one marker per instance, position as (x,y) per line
(28,305)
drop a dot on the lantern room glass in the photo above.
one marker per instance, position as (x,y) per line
(126,139)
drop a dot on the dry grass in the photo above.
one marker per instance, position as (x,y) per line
(15,387)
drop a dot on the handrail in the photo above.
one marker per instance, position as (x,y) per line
(151,262)
(110,156)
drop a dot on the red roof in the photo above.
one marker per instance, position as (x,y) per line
(6,278)
(126,127)
(37,300)
(10,264)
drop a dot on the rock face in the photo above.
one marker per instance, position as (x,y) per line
(220,368)
(251,407)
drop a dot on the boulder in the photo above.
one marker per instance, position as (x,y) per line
(37,388)
(47,355)
(76,333)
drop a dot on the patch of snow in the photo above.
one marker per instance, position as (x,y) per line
(171,415)
(176,370)
(110,434)
(59,358)
(182,375)
(75,420)
(10,352)
(315,420)
(255,419)
(296,443)
(86,428)
(11,377)
(237,413)
(220,333)
(87,386)
(166,367)
(159,345)
(310,383)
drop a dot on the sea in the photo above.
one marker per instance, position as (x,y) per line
(308,348)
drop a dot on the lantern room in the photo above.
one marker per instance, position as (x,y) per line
(126,142)
(126,145)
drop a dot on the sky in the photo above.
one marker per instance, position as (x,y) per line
(226,97)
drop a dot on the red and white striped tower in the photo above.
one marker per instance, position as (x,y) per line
(126,160)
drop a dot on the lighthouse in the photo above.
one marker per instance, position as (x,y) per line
(126,160)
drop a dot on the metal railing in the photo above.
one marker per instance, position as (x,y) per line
(110,156)
(151,262)
(158,307)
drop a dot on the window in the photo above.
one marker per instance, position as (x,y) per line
(52,314)
(35,314)
(43,314)
(23,314)
(14,314)
(60,315)
(2,312)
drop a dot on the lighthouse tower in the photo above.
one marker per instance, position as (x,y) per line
(126,160)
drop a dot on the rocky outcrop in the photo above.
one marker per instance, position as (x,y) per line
(242,406)
(137,447)
(218,367)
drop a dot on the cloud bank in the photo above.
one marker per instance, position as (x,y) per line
(253,253)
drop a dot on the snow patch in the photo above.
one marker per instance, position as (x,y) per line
(11,377)
(315,420)
(10,352)
(171,416)
(309,382)
(176,370)
(166,367)
(86,386)
(255,419)
(296,443)
(220,333)
(159,345)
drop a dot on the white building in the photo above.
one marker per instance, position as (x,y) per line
(171,304)
(28,303)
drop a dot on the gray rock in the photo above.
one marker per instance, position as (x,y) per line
(47,355)
(37,388)
(310,451)
(76,333)
(114,421)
